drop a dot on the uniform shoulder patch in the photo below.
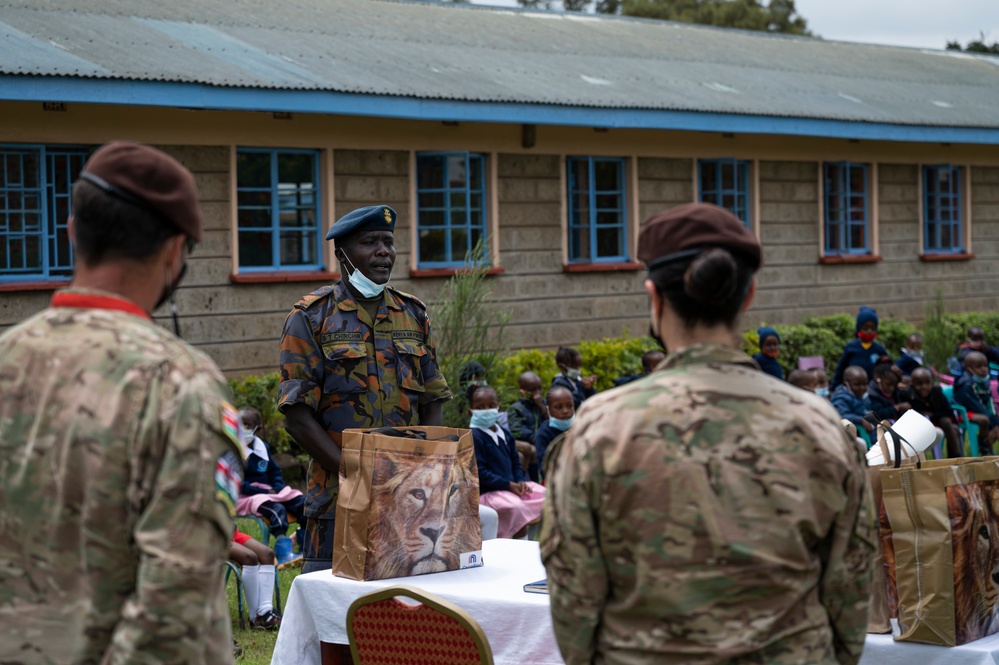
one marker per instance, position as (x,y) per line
(228,480)
(308,301)
(410,296)
(229,421)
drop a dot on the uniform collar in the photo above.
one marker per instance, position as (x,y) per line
(346,302)
(703,354)
(95,299)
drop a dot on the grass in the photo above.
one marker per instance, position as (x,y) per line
(258,645)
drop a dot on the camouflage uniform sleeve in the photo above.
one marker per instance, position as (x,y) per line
(570,549)
(845,586)
(183,529)
(434,384)
(302,363)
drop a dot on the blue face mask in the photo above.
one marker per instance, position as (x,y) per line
(364,286)
(561,425)
(981,379)
(484,418)
(822,392)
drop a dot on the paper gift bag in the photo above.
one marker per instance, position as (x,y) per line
(944,519)
(407,506)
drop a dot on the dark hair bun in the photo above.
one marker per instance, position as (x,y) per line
(712,277)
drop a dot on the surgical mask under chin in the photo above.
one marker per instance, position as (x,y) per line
(484,418)
(574,373)
(981,379)
(561,425)
(822,392)
(915,355)
(364,286)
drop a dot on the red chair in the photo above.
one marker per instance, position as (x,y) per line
(384,630)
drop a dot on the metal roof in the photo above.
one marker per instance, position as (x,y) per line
(461,53)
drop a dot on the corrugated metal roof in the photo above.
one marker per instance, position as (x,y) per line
(482,54)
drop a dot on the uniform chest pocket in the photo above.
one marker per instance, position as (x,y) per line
(346,367)
(409,363)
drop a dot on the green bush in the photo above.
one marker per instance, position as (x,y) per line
(261,392)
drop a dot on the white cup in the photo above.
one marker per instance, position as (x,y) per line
(917,434)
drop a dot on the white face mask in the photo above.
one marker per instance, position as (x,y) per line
(364,286)
(247,435)
(574,373)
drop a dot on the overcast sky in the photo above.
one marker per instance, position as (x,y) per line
(901,22)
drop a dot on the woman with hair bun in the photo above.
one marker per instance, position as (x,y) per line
(708,512)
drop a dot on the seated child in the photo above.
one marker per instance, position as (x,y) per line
(821,382)
(976,342)
(862,352)
(264,491)
(503,485)
(769,350)
(569,361)
(912,354)
(561,413)
(887,401)
(257,562)
(804,379)
(850,398)
(973,391)
(524,417)
(650,359)
(929,400)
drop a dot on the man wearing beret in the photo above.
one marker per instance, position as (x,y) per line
(355,354)
(119,457)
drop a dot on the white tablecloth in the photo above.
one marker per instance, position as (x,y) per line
(518,624)
(883,650)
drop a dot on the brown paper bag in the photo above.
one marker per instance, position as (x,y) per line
(407,506)
(944,519)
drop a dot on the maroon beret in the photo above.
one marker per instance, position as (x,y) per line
(149,179)
(685,231)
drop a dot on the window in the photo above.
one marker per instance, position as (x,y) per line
(597,219)
(942,209)
(450,209)
(846,215)
(725,182)
(35,186)
(277,195)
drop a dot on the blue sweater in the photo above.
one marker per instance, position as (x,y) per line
(854,353)
(975,397)
(575,386)
(850,406)
(769,365)
(546,434)
(259,470)
(499,465)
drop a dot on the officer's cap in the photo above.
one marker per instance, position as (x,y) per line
(149,179)
(370,218)
(686,231)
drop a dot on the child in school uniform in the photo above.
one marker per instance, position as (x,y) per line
(258,572)
(862,352)
(561,413)
(821,382)
(911,354)
(850,398)
(887,401)
(929,400)
(569,361)
(973,391)
(976,342)
(503,484)
(769,350)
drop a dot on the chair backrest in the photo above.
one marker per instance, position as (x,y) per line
(383,629)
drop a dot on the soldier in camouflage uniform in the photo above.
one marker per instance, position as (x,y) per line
(119,461)
(707,513)
(354,354)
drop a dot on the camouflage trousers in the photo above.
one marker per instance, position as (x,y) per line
(318,551)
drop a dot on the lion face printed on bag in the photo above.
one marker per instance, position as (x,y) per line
(974,515)
(412,527)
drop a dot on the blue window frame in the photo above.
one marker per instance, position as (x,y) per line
(35,186)
(725,182)
(597,209)
(450,210)
(846,213)
(278,213)
(942,209)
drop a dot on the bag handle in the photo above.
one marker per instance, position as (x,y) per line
(896,439)
(410,434)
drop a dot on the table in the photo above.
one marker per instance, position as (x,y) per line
(517,624)
(883,650)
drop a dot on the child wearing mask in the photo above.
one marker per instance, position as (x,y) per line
(912,354)
(821,382)
(973,391)
(569,361)
(769,350)
(503,484)
(862,352)
(561,411)
(929,400)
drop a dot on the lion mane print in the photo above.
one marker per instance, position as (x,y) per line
(973,513)
(419,520)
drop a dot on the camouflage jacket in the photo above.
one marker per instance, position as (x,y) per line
(354,372)
(119,469)
(708,513)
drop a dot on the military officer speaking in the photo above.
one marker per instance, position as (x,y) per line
(358,353)
(708,512)
(119,453)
